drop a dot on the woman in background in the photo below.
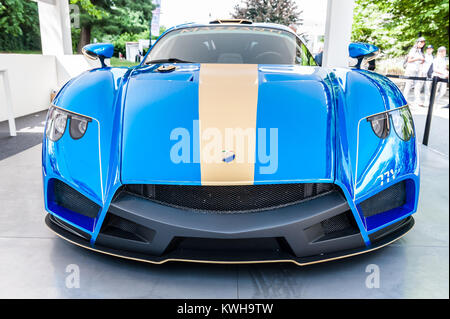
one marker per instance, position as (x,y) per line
(440,70)
(414,63)
(429,58)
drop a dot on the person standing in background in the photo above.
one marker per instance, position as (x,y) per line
(424,73)
(319,56)
(414,61)
(440,70)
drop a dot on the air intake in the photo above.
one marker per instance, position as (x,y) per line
(338,223)
(230,199)
(390,198)
(117,226)
(334,227)
(68,198)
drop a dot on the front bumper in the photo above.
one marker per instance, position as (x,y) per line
(309,232)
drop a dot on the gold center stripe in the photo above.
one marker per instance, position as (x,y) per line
(228,98)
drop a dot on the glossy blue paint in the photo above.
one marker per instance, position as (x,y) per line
(361,156)
(379,221)
(95,155)
(73,218)
(293,99)
(322,132)
(105,50)
(356,50)
(168,107)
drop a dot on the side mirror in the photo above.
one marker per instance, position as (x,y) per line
(99,51)
(362,52)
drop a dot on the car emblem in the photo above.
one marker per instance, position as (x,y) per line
(228,156)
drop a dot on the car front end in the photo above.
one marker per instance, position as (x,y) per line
(227,161)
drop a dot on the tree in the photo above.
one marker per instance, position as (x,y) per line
(394,25)
(275,11)
(19,25)
(99,18)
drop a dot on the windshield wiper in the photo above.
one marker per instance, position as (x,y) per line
(169,60)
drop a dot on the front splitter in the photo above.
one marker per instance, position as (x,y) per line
(278,257)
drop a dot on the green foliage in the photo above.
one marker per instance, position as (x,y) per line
(90,10)
(111,20)
(162,29)
(120,41)
(275,11)
(394,25)
(19,26)
(116,21)
(117,62)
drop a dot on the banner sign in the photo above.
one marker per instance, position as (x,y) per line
(155,18)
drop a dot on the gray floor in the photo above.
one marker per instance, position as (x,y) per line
(34,263)
(439,131)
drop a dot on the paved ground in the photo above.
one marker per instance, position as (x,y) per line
(29,134)
(439,131)
(34,263)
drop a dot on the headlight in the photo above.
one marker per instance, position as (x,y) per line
(57,123)
(380,124)
(403,123)
(401,120)
(78,126)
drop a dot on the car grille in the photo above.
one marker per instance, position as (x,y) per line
(230,199)
(390,198)
(68,198)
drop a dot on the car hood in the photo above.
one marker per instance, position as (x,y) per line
(224,124)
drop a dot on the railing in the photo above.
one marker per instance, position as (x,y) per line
(435,80)
(9,108)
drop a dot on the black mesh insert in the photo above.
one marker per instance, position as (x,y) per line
(390,198)
(67,197)
(337,223)
(332,228)
(242,198)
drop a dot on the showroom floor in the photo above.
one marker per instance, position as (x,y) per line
(34,263)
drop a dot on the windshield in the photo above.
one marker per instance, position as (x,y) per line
(231,44)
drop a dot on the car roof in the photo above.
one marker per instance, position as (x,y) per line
(238,22)
(232,22)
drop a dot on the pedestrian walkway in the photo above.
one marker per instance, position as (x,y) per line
(439,132)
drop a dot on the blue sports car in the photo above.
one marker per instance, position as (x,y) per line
(229,144)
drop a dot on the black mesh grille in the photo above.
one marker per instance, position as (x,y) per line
(65,196)
(390,198)
(242,198)
(336,224)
